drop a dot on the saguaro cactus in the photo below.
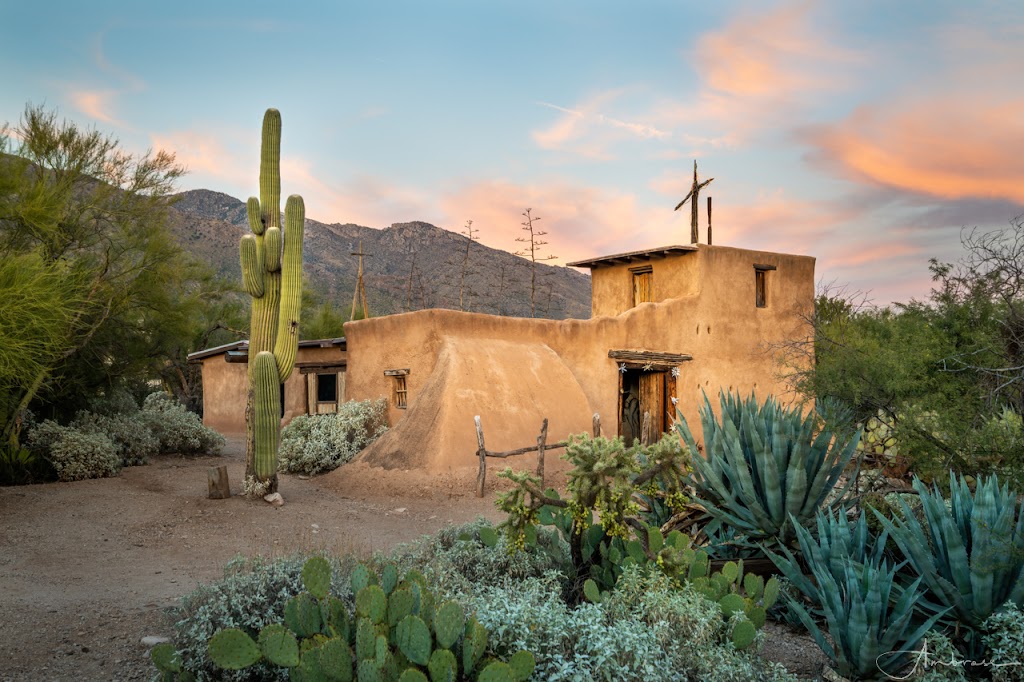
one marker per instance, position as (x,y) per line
(274,281)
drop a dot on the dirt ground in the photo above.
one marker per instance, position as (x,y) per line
(88,568)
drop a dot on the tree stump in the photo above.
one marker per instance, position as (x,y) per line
(217,477)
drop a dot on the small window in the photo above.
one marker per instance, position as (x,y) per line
(327,388)
(400,393)
(761,284)
(282,400)
(642,284)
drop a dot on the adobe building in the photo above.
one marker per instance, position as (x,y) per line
(315,386)
(667,325)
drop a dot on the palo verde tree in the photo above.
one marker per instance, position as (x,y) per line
(96,291)
(272,275)
(534,244)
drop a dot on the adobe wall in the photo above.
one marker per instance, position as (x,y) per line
(674,276)
(226,386)
(718,324)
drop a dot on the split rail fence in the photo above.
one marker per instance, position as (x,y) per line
(542,445)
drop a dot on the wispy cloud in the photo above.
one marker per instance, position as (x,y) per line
(586,131)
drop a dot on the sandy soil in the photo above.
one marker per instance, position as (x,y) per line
(89,568)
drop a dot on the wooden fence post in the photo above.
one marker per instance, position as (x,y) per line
(597,425)
(482,453)
(541,442)
(217,478)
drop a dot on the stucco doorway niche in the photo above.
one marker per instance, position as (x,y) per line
(647,385)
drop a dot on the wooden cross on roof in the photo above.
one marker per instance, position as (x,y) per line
(692,198)
(360,292)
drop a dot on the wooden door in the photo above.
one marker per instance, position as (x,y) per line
(652,401)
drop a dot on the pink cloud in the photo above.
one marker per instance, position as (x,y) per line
(581,221)
(948,148)
(97,104)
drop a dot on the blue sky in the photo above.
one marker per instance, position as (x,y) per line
(865,134)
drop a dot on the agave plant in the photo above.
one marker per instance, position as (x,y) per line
(971,554)
(870,618)
(766,468)
(838,545)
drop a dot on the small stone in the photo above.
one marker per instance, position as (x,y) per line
(303,477)
(315,526)
(274,499)
(151,641)
(400,510)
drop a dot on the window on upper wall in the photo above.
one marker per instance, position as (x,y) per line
(642,284)
(761,284)
(399,392)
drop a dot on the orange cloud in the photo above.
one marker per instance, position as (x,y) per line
(943,147)
(770,55)
(97,104)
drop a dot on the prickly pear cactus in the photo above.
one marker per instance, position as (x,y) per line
(398,635)
(272,275)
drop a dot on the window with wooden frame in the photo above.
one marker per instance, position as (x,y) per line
(642,284)
(761,284)
(399,391)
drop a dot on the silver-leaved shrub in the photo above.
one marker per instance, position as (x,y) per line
(313,444)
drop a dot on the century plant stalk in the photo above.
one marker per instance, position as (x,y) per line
(274,281)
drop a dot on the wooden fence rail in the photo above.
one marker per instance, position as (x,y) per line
(542,445)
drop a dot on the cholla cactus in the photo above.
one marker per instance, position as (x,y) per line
(274,281)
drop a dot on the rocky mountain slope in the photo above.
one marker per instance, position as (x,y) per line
(413,265)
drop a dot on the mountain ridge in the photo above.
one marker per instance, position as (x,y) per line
(413,265)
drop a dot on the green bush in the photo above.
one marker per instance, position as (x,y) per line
(1004,644)
(78,455)
(646,629)
(178,430)
(134,440)
(252,595)
(457,559)
(312,444)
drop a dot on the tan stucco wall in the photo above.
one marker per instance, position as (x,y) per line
(718,325)
(226,385)
(675,276)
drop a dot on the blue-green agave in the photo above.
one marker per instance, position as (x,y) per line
(870,618)
(766,468)
(970,550)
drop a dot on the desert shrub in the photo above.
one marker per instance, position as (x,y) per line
(1004,642)
(78,455)
(459,558)
(134,440)
(252,594)
(645,630)
(178,430)
(312,444)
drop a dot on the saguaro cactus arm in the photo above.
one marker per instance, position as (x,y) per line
(286,345)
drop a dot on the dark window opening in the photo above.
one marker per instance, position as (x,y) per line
(759,284)
(327,388)
(282,400)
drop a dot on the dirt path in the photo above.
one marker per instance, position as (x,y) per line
(87,568)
